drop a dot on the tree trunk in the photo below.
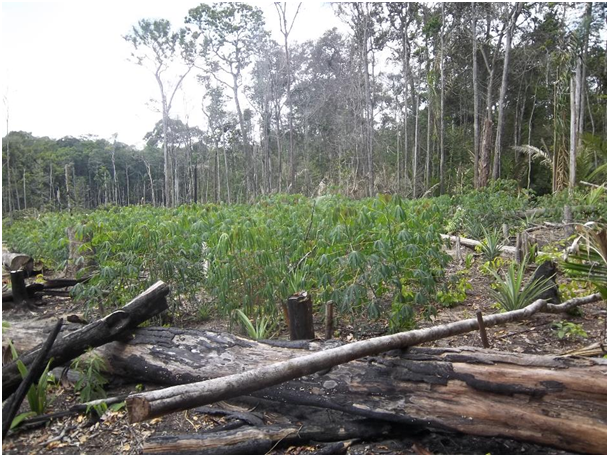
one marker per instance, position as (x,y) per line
(485,158)
(442,155)
(143,307)
(503,90)
(476,97)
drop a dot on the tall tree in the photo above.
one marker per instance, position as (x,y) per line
(158,48)
(285,31)
(515,13)
(231,34)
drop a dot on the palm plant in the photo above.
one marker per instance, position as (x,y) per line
(257,330)
(509,292)
(491,245)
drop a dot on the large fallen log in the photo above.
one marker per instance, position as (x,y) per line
(557,401)
(156,403)
(146,305)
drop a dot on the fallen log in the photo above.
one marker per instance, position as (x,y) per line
(143,307)
(262,439)
(147,405)
(14,261)
(473,244)
(556,401)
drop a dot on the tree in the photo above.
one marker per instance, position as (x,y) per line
(158,49)
(504,81)
(231,34)
(285,30)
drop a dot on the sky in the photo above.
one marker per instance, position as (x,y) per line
(66,68)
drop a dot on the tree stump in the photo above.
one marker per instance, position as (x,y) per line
(300,311)
(20,295)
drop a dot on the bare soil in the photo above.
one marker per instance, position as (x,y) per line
(112,434)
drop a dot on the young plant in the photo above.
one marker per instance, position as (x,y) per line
(566,329)
(491,246)
(510,293)
(37,393)
(258,330)
(90,384)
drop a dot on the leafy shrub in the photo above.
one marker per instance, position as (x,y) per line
(251,257)
(489,207)
(566,329)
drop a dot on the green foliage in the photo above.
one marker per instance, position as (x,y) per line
(36,395)
(90,384)
(590,264)
(491,245)
(566,329)
(489,207)
(492,267)
(258,330)
(251,257)
(455,291)
(510,293)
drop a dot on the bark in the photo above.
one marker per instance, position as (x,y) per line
(262,439)
(35,371)
(143,307)
(300,312)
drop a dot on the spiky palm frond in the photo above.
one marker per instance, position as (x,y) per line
(535,153)
(509,292)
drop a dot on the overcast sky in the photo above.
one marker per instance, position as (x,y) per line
(65,67)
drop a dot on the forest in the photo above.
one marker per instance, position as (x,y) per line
(419,99)
(386,240)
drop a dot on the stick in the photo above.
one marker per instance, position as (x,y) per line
(483,336)
(34,372)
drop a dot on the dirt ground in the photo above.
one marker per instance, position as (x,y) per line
(112,434)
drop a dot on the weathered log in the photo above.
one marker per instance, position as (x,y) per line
(262,439)
(472,244)
(14,261)
(35,371)
(146,405)
(557,401)
(300,313)
(143,307)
